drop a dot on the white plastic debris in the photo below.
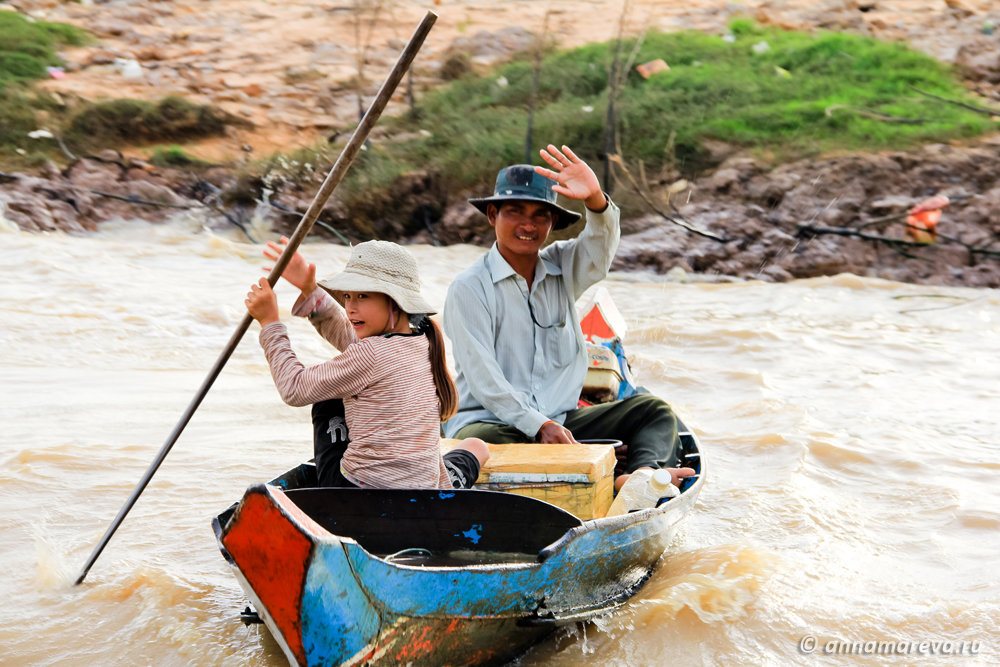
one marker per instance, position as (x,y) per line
(129,68)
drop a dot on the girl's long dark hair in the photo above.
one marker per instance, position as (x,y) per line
(446,391)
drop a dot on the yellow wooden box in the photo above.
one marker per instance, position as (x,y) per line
(578,478)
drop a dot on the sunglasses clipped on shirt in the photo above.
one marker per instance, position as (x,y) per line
(555,325)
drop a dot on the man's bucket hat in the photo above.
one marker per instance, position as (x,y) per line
(521,181)
(383,267)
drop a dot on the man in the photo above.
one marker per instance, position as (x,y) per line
(511,317)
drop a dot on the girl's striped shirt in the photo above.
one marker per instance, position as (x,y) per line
(390,401)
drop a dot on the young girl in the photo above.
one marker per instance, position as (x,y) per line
(391,372)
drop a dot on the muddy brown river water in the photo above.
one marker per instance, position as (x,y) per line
(850,426)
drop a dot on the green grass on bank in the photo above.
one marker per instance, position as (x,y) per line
(91,126)
(122,121)
(27,49)
(798,96)
(174,156)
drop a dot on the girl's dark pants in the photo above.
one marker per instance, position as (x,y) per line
(645,424)
(330,439)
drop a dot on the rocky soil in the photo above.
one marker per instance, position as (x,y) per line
(788,222)
(290,70)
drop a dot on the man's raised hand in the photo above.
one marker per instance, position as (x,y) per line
(574,178)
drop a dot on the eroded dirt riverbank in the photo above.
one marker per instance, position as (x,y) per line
(289,71)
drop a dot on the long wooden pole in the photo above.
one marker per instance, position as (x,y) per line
(305,225)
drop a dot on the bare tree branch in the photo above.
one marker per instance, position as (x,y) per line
(875,114)
(132,199)
(649,202)
(536,66)
(361,45)
(805,228)
(970,107)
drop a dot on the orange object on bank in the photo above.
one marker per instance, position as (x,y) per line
(922,219)
(652,67)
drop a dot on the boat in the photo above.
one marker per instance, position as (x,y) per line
(432,577)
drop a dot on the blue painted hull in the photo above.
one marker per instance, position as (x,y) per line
(320,567)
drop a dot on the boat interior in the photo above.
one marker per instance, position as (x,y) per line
(438,526)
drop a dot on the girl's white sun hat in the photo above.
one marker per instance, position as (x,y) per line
(383,267)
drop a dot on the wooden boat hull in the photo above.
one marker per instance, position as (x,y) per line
(482,575)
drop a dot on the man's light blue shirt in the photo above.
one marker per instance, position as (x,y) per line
(520,356)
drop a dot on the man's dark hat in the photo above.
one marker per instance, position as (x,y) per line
(521,181)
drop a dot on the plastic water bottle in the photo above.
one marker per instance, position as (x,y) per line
(661,488)
(643,489)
